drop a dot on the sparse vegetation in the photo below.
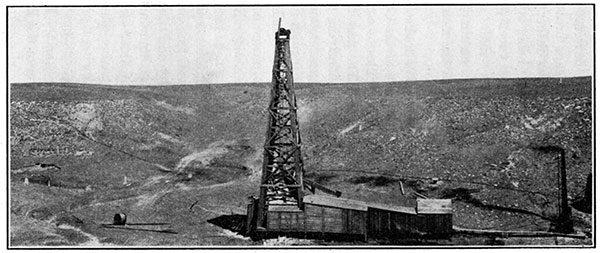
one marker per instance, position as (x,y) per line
(121,149)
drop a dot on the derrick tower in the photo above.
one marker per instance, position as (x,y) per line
(282,208)
(281,183)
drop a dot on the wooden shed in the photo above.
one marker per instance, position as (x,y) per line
(325,215)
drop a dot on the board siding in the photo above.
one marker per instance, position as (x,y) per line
(286,221)
(386,224)
(376,223)
(334,220)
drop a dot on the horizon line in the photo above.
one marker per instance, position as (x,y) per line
(334,83)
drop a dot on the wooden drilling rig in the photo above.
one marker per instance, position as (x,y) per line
(281,183)
(284,208)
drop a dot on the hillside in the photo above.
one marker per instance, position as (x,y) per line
(187,154)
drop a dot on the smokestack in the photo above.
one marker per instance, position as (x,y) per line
(564,224)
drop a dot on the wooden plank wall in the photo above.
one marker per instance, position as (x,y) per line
(319,219)
(376,223)
(386,224)
(324,219)
(355,221)
(251,216)
(286,221)
(436,223)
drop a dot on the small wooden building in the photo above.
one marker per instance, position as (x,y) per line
(437,215)
(326,215)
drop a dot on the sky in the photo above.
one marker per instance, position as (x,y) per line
(193,45)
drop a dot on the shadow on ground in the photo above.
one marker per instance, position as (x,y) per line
(235,222)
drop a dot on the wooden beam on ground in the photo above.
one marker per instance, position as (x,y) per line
(508,233)
(401,187)
(168,231)
(420,195)
(322,188)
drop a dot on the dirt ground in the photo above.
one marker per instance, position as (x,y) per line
(181,161)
